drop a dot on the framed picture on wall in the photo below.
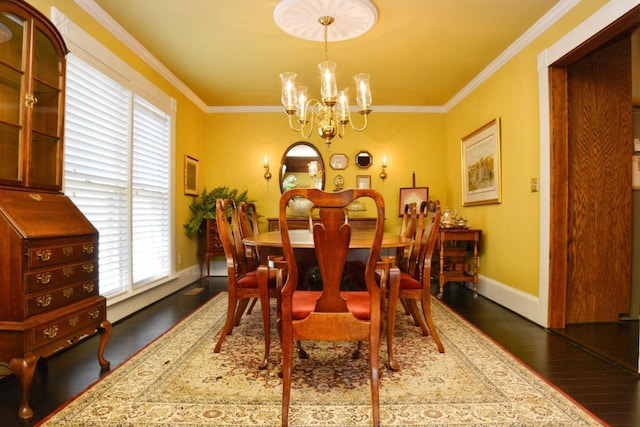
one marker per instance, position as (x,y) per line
(363,181)
(410,195)
(191,176)
(481,174)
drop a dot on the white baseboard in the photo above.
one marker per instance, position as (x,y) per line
(117,310)
(524,304)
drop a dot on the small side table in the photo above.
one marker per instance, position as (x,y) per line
(453,245)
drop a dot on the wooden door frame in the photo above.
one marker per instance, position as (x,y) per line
(558,152)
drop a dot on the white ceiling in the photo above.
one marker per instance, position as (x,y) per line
(419,53)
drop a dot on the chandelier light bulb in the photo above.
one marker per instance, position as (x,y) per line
(288,95)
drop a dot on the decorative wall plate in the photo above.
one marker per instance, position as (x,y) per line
(339,161)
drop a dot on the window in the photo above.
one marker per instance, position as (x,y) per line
(117,171)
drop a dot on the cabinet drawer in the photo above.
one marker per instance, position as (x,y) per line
(68,324)
(51,278)
(58,254)
(214,242)
(55,298)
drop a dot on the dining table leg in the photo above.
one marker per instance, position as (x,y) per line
(394,291)
(263,287)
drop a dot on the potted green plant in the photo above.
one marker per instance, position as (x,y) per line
(204,206)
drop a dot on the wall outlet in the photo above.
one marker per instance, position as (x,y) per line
(534,185)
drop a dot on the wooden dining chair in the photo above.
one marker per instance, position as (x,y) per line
(242,284)
(331,314)
(415,281)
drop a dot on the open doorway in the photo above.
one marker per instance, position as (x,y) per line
(593,290)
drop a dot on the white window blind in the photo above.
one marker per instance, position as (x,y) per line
(150,198)
(117,173)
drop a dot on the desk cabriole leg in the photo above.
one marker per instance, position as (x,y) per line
(105,332)
(23,369)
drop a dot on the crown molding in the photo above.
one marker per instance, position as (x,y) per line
(551,17)
(103,18)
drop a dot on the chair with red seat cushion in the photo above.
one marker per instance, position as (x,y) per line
(415,281)
(242,284)
(331,314)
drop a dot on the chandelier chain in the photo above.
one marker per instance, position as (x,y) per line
(326,42)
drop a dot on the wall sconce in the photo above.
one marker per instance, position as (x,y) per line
(267,174)
(383,173)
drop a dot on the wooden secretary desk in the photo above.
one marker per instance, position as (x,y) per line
(49,294)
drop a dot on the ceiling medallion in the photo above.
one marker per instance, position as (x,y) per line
(299,18)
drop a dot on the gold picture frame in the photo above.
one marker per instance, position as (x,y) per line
(481,170)
(191,176)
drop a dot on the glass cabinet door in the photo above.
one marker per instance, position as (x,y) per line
(12,109)
(46,127)
(31,100)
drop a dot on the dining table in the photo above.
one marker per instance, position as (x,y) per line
(269,246)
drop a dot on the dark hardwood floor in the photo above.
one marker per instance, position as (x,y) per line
(607,390)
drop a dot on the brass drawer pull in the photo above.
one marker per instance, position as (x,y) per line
(43,301)
(51,332)
(44,255)
(67,292)
(94,314)
(88,248)
(67,250)
(43,278)
(88,268)
(74,321)
(67,271)
(88,287)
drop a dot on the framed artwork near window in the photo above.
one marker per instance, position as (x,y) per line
(410,195)
(363,181)
(481,172)
(191,176)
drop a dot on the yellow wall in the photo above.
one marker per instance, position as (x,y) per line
(231,148)
(510,253)
(237,144)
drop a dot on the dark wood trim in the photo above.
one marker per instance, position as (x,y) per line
(559,197)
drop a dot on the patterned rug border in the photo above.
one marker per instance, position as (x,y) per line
(517,359)
(348,410)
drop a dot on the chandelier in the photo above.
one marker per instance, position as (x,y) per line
(331,114)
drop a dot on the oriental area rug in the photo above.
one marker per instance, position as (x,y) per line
(179,381)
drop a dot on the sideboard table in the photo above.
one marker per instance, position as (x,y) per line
(453,246)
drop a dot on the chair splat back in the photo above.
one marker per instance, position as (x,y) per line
(331,238)
(248,223)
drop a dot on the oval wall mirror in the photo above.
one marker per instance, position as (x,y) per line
(363,159)
(301,167)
